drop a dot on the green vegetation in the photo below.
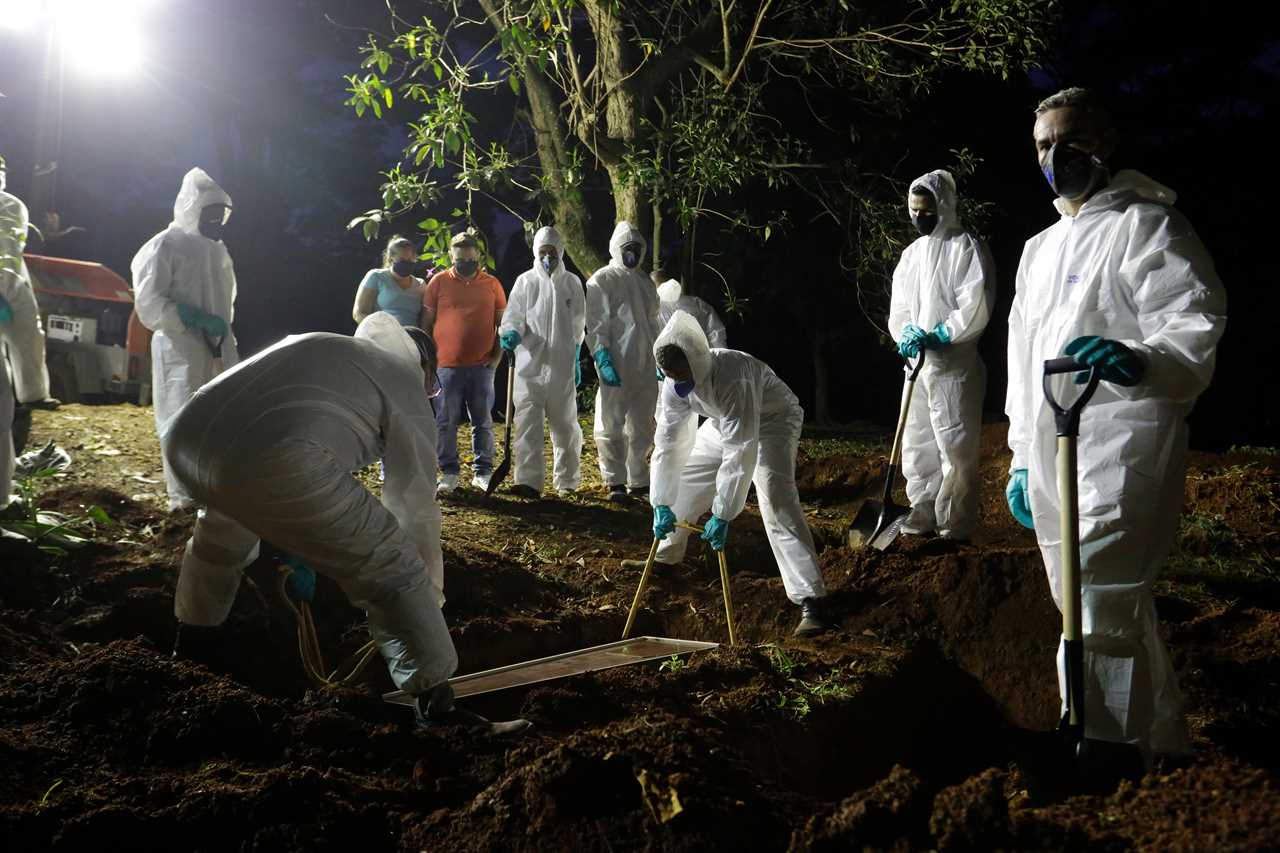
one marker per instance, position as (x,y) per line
(51,532)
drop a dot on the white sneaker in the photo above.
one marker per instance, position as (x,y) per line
(480,481)
(448,482)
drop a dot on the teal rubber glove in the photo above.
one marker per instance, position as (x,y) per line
(577,371)
(6,312)
(215,326)
(938,338)
(1016,495)
(658,372)
(604,366)
(1115,362)
(912,339)
(664,522)
(189,315)
(716,532)
(196,318)
(300,583)
(509,340)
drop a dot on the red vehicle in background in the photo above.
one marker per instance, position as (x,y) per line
(95,345)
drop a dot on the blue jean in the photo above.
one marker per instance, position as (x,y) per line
(473,386)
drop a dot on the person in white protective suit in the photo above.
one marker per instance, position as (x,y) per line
(750,436)
(184,290)
(622,324)
(1120,282)
(543,326)
(943,288)
(672,298)
(21,336)
(268,449)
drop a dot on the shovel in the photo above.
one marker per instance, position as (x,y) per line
(1093,757)
(878,522)
(504,468)
(215,350)
(644,581)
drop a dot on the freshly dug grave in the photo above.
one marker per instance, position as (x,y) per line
(904,729)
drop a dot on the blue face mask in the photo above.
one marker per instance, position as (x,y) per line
(684,389)
(550,262)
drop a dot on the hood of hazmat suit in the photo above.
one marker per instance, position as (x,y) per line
(24,335)
(743,399)
(386,331)
(548,311)
(672,298)
(623,312)
(1130,268)
(946,277)
(179,266)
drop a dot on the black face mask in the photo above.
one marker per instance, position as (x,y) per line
(212,228)
(404,268)
(925,222)
(466,269)
(1069,170)
(630,255)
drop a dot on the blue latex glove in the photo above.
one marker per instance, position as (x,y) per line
(912,340)
(201,320)
(509,340)
(1115,361)
(716,532)
(604,366)
(938,338)
(300,583)
(1016,495)
(577,371)
(664,522)
(6,312)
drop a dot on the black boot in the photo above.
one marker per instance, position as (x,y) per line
(199,644)
(435,708)
(814,618)
(618,493)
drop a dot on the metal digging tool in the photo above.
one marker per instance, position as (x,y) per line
(215,350)
(644,581)
(878,522)
(504,468)
(1093,757)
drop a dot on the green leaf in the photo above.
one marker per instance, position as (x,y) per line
(514,82)
(429,224)
(438,70)
(386,95)
(98,514)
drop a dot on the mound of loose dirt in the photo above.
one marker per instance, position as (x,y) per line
(910,727)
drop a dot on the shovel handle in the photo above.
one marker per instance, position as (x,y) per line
(644,580)
(1067,418)
(511,403)
(896,451)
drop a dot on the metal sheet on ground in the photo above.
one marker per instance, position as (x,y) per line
(634,650)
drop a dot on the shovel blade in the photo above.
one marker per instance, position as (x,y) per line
(499,474)
(876,525)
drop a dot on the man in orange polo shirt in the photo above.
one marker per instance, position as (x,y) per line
(462,309)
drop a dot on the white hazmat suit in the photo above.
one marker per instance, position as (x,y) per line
(1130,268)
(945,277)
(181,266)
(623,318)
(672,298)
(750,436)
(548,311)
(269,446)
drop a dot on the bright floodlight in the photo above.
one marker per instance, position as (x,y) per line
(20,14)
(99,42)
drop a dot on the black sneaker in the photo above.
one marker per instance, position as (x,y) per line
(618,493)
(813,618)
(435,708)
(638,491)
(522,491)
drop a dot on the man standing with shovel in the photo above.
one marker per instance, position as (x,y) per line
(750,436)
(942,293)
(1122,284)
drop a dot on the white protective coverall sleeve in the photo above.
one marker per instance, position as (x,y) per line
(181,266)
(623,317)
(549,313)
(23,336)
(672,298)
(6,436)
(1127,267)
(672,443)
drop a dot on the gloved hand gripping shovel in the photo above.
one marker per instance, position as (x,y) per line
(504,467)
(878,522)
(215,350)
(1091,756)
(644,581)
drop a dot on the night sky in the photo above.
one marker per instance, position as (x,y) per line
(252,91)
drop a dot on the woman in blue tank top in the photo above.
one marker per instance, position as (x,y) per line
(394,288)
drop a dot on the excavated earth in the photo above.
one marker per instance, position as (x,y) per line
(921,723)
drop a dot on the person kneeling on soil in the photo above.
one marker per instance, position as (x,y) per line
(268,449)
(750,435)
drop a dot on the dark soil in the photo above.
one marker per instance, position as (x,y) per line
(913,726)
